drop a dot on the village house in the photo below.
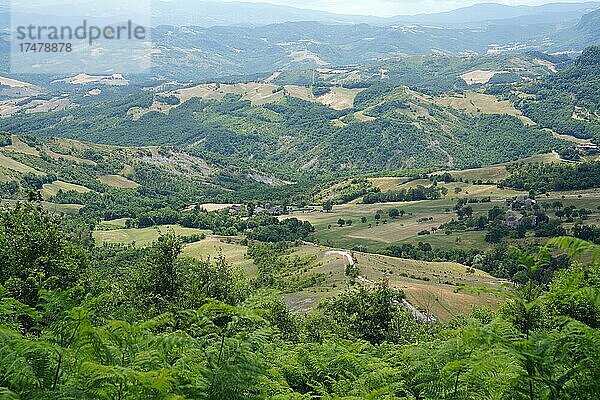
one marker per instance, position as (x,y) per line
(270,210)
(520,202)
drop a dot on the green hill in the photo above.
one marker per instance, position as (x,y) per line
(568,101)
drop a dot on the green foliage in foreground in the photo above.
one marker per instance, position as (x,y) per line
(146,324)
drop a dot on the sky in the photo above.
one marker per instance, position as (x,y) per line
(388,8)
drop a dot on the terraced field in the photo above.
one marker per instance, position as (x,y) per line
(475,103)
(443,289)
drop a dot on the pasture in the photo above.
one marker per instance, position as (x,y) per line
(118,181)
(475,103)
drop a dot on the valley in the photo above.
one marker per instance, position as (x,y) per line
(296,204)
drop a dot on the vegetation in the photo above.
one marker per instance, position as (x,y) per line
(558,97)
(415,227)
(118,322)
(542,178)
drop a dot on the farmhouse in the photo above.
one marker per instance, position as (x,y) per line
(520,202)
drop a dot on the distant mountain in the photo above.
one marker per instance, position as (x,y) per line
(574,38)
(203,53)
(479,14)
(590,24)
(217,13)
(196,52)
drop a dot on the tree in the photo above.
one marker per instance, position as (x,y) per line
(164,271)
(394,213)
(35,254)
(328,206)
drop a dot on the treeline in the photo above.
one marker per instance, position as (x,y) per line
(411,194)
(542,178)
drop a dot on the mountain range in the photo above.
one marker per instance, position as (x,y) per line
(218,13)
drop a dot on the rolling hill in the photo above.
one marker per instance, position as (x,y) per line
(210,52)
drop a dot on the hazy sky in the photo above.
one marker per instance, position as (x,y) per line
(387,8)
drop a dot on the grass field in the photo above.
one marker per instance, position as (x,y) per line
(71,209)
(112,224)
(399,230)
(14,165)
(213,247)
(494,173)
(51,189)
(478,76)
(257,93)
(18,146)
(118,181)
(144,236)
(339,98)
(444,289)
(475,103)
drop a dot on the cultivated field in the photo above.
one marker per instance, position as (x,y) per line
(475,103)
(118,181)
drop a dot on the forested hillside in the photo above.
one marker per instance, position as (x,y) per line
(568,102)
(389,127)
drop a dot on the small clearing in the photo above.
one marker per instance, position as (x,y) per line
(478,76)
(85,79)
(118,181)
(475,102)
